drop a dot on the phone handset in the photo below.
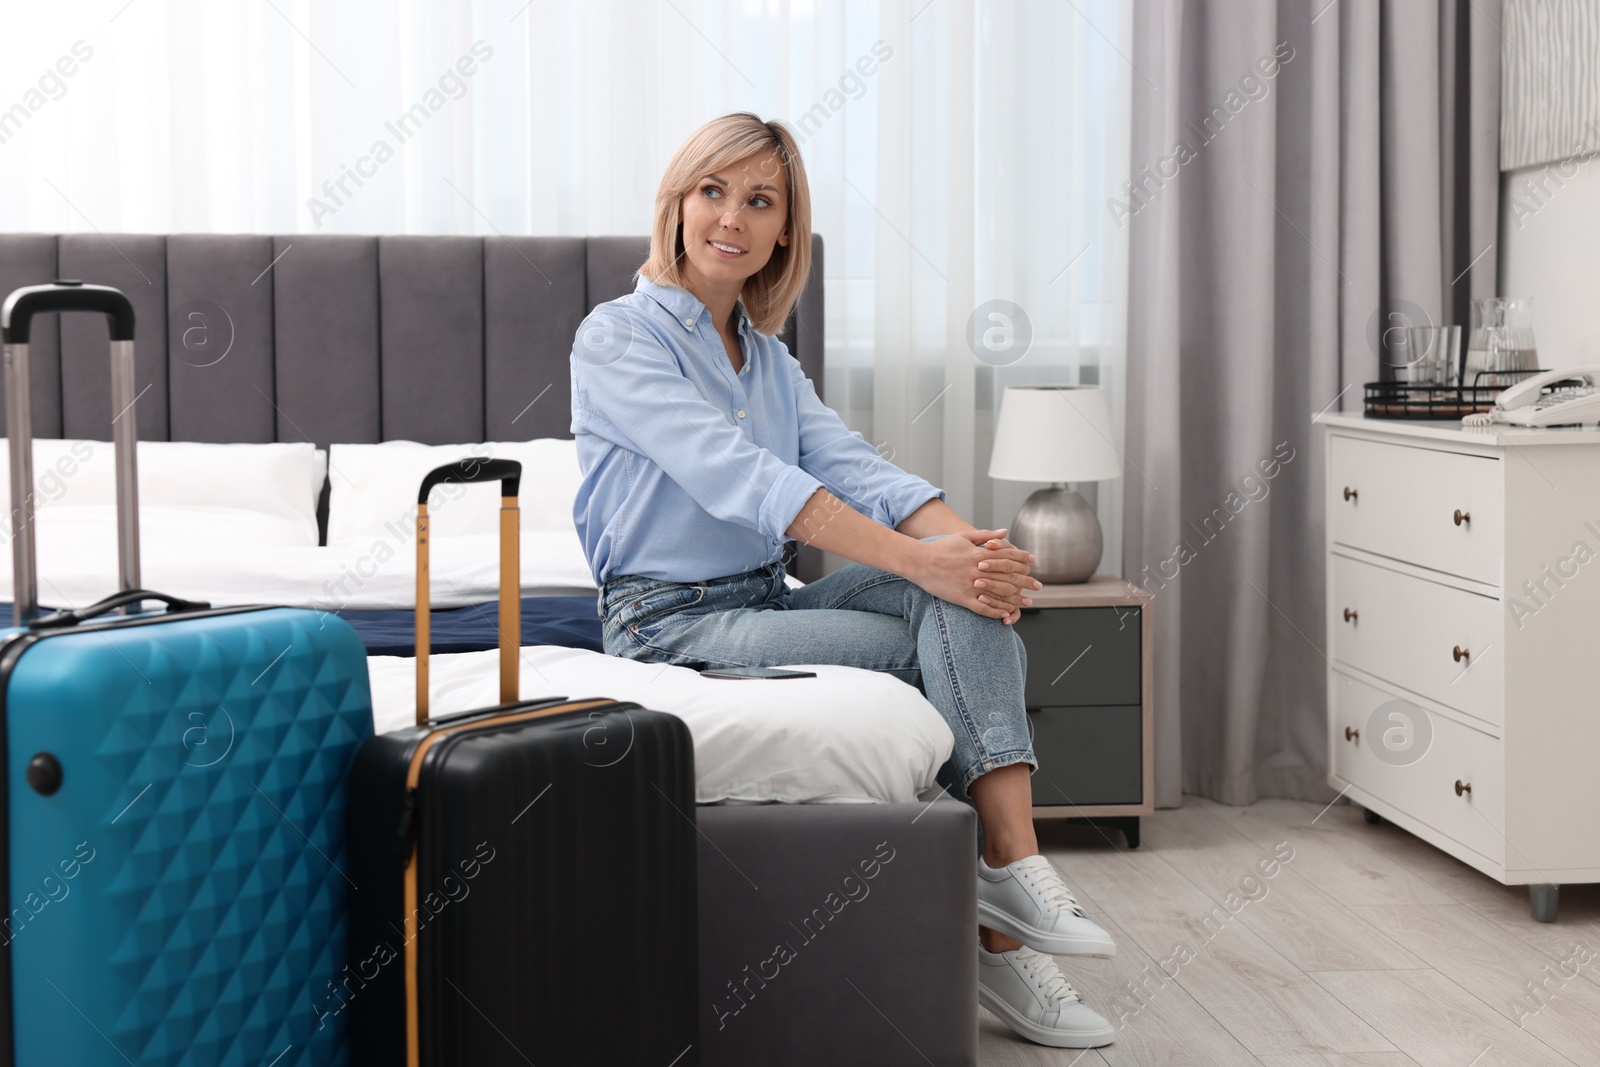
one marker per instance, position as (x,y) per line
(1526,404)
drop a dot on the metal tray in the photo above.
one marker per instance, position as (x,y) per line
(1412,400)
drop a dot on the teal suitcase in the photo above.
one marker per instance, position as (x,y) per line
(174,851)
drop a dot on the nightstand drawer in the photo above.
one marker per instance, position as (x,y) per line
(1402,502)
(1081,656)
(1425,787)
(1087,755)
(1409,630)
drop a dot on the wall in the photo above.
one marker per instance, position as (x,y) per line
(1550,250)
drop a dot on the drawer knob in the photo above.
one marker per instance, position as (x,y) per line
(1349,493)
(1463,516)
(1349,615)
(1351,735)
(1463,787)
(1461,653)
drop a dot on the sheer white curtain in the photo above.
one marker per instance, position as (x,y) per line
(960,152)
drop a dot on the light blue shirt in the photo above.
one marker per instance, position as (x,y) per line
(692,472)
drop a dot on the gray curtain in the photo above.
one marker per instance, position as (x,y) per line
(1304,174)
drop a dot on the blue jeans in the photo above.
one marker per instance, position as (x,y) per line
(969,666)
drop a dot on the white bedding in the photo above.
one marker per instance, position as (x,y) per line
(187,553)
(848,736)
(250,493)
(372,486)
(237,524)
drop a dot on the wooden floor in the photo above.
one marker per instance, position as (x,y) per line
(1365,948)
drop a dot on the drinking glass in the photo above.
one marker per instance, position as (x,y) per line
(1434,352)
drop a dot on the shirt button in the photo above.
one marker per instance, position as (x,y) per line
(741,413)
(688,322)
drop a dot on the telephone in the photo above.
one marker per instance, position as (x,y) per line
(1574,397)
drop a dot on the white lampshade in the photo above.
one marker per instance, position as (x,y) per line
(1054,433)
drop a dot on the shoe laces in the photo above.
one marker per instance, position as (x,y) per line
(1043,970)
(1051,889)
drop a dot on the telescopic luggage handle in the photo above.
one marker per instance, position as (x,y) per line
(508,472)
(16,316)
(66,295)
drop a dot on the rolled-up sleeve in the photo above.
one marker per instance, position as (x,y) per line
(851,468)
(643,402)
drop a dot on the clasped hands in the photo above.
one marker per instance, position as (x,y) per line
(982,571)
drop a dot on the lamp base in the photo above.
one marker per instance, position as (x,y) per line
(1057,525)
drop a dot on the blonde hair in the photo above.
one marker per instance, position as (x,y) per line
(771,293)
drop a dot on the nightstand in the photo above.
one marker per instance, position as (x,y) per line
(1088,695)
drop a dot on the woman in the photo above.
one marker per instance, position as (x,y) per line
(704,446)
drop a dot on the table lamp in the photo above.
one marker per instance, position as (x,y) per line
(1056,434)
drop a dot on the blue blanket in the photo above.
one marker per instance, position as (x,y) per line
(546,620)
(570,621)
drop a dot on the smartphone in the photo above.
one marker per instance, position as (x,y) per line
(756,672)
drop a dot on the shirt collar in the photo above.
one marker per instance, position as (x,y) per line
(683,305)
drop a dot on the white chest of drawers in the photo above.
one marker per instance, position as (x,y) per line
(1463,621)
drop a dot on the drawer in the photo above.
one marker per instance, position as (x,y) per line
(1081,656)
(1401,502)
(1407,630)
(1424,788)
(1087,755)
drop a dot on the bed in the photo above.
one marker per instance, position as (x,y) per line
(320,341)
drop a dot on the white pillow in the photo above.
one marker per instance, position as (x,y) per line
(373,489)
(249,494)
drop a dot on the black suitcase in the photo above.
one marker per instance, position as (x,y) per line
(525,874)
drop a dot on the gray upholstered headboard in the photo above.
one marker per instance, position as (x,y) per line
(253,338)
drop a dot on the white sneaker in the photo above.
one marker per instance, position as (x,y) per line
(1027,900)
(1031,995)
